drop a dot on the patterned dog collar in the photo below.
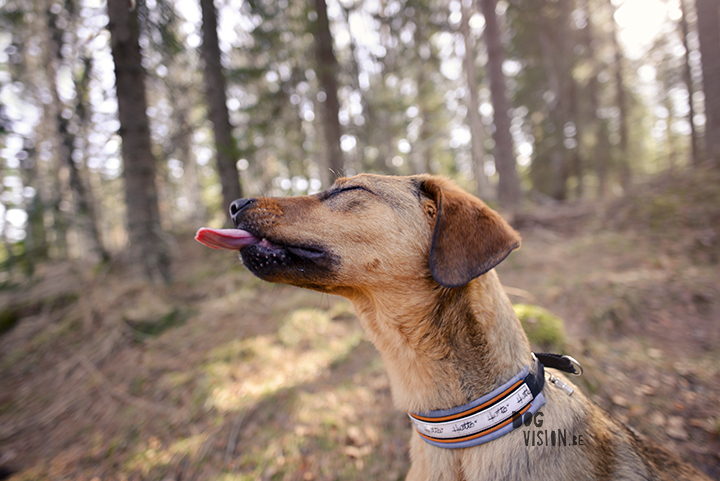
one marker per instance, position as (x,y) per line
(488,417)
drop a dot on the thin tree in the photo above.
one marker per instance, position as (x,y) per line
(327,68)
(598,127)
(556,52)
(708,15)
(146,242)
(622,105)
(215,83)
(474,122)
(85,215)
(508,185)
(687,76)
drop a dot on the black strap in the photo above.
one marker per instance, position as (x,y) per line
(557,361)
(535,379)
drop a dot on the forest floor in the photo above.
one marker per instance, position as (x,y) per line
(222,376)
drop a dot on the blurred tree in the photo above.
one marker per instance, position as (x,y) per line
(477,130)
(598,126)
(327,68)
(708,24)
(84,207)
(174,76)
(225,144)
(556,49)
(191,188)
(509,192)
(147,246)
(622,105)
(19,19)
(688,78)
(418,53)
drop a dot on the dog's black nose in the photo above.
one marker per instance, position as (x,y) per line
(237,206)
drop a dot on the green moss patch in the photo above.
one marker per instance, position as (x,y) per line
(544,329)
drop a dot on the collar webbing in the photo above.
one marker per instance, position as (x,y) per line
(488,417)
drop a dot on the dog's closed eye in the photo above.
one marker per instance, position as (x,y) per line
(331,193)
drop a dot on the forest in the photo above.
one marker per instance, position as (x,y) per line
(128,351)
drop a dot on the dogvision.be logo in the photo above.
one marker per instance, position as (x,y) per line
(545,437)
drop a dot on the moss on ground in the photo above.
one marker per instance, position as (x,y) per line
(544,329)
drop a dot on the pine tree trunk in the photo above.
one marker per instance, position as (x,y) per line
(622,105)
(84,207)
(601,149)
(508,185)
(554,45)
(147,247)
(474,122)
(225,144)
(327,68)
(708,14)
(687,76)
(578,162)
(191,184)
(36,246)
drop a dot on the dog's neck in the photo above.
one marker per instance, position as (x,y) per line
(444,347)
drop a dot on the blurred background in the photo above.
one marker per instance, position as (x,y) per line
(129,352)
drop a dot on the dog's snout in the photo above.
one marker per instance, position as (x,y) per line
(237,206)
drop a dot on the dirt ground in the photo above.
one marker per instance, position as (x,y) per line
(222,376)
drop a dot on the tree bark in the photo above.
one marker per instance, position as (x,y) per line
(146,242)
(474,122)
(578,162)
(191,184)
(622,104)
(225,144)
(327,68)
(85,216)
(554,48)
(509,192)
(601,149)
(708,14)
(687,76)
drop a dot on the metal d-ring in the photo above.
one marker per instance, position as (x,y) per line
(576,365)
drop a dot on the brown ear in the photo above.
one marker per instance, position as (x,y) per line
(469,237)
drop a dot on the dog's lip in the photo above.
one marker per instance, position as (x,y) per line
(305,251)
(231,239)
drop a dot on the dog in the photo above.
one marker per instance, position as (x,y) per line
(415,257)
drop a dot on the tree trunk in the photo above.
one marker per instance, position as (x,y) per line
(509,185)
(601,149)
(578,163)
(84,206)
(225,144)
(622,104)
(687,76)
(191,183)
(147,245)
(708,14)
(554,45)
(36,247)
(327,68)
(474,122)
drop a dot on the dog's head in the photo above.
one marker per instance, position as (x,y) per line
(368,232)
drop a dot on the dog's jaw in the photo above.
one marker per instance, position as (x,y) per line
(301,265)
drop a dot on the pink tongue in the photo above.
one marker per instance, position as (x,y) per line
(233,239)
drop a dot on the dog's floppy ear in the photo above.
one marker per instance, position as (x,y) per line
(469,237)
